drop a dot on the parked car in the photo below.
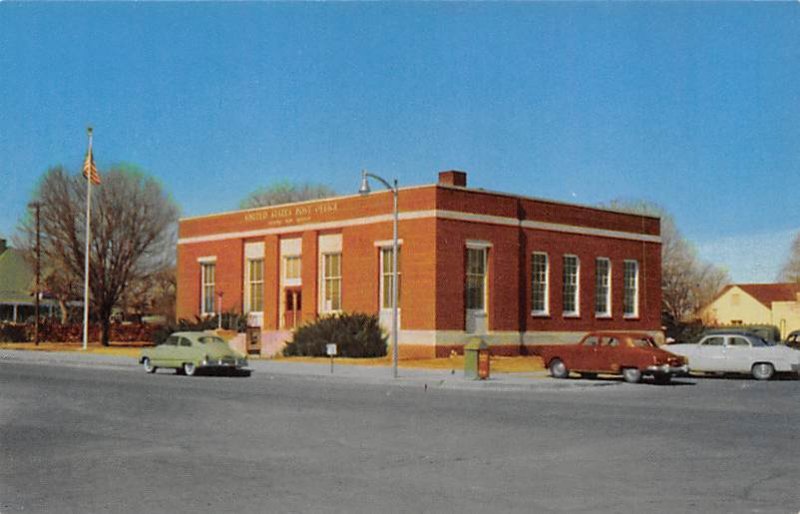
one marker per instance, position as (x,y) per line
(769,333)
(793,340)
(736,352)
(631,355)
(189,351)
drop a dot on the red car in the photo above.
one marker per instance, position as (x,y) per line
(631,355)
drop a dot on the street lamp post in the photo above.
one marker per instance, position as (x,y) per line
(37,206)
(219,308)
(364,189)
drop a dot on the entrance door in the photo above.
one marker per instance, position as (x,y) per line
(294,302)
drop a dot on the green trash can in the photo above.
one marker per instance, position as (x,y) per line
(476,359)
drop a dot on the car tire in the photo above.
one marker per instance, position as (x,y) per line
(558,369)
(189,369)
(148,366)
(762,370)
(632,375)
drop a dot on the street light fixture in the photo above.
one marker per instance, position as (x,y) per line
(364,189)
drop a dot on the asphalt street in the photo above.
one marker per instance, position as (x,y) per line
(105,439)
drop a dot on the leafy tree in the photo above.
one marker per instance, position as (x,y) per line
(133,235)
(790,272)
(285,192)
(688,283)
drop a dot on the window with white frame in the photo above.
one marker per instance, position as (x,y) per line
(255,285)
(602,293)
(208,271)
(539,284)
(331,282)
(571,285)
(387,274)
(291,270)
(476,279)
(630,301)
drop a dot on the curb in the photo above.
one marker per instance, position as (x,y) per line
(414,377)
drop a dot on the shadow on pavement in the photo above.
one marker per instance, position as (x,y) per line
(646,381)
(744,376)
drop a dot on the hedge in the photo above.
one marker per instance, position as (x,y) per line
(355,335)
(56,332)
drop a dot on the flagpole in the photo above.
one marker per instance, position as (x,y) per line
(88,238)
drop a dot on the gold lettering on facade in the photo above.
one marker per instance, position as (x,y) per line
(291,215)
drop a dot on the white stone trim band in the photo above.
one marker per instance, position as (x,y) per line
(436,213)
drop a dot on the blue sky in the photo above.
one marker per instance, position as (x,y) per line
(691,105)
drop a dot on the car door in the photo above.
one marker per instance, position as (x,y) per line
(607,354)
(585,357)
(162,354)
(709,354)
(739,356)
(184,352)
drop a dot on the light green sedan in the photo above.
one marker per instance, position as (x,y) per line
(189,351)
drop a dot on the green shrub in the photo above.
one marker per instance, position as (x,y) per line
(355,335)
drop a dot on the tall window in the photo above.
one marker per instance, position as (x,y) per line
(331,282)
(602,293)
(571,284)
(476,279)
(387,272)
(539,289)
(630,302)
(208,273)
(291,270)
(255,285)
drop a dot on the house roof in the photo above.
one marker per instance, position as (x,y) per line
(768,293)
(16,277)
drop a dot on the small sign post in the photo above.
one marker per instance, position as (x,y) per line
(330,349)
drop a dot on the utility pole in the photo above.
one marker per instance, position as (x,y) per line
(37,206)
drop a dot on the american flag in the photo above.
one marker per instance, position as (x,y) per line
(89,169)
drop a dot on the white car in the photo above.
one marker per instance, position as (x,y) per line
(739,353)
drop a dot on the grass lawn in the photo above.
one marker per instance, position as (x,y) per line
(498,364)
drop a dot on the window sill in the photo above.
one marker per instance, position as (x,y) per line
(540,314)
(602,316)
(572,315)
(632,317)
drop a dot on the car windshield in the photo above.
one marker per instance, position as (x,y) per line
(643,342)
(211,340)
(760,341)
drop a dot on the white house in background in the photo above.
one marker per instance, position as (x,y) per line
(756,304)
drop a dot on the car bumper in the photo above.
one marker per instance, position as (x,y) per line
(222,363)
(666,369)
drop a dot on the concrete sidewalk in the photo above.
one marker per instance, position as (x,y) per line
(414,377)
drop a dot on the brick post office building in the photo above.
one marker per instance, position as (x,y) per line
(516,271)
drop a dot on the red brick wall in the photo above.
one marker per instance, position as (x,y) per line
(433,287)
(272,278)
(588,248)
(308,271)
(494,204)
(229,275)
(503,298)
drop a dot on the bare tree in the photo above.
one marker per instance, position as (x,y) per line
(285,192)
(688,283)
(790,272)
(133,234)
